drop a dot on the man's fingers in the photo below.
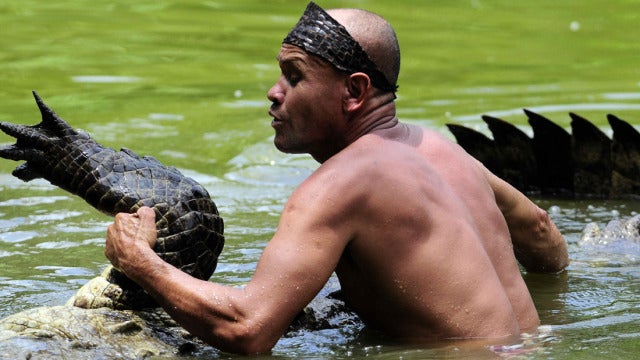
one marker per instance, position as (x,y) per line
(108,250)
(146,212)
(148,221)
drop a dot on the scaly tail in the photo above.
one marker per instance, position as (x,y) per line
(585,163)
(190,230)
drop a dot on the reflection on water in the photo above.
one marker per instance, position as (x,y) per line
(185,82)
(104,79)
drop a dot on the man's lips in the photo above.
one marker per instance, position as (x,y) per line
(275,117)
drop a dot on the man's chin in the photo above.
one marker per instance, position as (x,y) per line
(286,148)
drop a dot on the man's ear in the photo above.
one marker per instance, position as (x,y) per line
(357,86)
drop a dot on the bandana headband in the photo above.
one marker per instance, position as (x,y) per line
(319,34)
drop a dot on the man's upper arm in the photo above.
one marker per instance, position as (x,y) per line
(537,243)
(301,256)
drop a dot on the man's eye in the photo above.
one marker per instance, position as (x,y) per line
(293,79)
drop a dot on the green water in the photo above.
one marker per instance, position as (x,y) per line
(185,81)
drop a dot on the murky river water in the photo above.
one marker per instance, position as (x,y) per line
(185,81)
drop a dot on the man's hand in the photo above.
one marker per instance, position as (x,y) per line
(130,237)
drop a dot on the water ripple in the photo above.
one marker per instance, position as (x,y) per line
(33,200)
(104,79)
(17,236)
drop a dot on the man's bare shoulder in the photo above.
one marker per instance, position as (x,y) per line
(343,173)
(347,180)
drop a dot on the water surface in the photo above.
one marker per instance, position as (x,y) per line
(185,81)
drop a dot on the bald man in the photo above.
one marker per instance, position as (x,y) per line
(421,236)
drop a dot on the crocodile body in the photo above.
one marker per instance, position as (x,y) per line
(70,332)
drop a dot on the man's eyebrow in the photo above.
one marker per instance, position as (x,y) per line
(291,58)
(292,63)
(287,60)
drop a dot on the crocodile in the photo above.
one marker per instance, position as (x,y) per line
(585,163)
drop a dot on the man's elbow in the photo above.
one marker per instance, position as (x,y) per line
(547,262)
(253,344)
(558,245)
(244,339)
(548,252)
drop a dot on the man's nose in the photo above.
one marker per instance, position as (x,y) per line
(276,94)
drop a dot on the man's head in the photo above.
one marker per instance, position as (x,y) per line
(352,40)
(330,88)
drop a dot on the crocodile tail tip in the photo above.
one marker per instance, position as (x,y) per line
(46,111)
(50,119)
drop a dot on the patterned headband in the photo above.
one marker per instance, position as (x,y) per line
(318,33)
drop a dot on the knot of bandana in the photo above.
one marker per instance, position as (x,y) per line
(318,33)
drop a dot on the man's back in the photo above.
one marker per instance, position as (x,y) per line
(466,176)
(430,255)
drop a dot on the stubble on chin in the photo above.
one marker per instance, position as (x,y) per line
(285,145)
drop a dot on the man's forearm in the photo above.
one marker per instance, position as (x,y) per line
(210,311)
(537,242)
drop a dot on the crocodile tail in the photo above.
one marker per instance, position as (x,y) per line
(516,150)
(479,146)
(555,164)
(625,157)
(190,230)
(44,147)
(591,151)
(585,163)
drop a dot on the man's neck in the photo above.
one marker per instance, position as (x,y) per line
(380,116)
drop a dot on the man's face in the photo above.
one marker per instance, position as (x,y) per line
(307,104)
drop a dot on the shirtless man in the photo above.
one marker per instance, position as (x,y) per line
(421,235)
